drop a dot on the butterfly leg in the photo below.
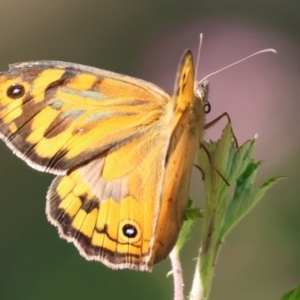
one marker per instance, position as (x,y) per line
(212,163)
(216,120)
(201,171)
(209,125)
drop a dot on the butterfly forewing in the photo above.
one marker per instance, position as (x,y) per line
(187,132)
(57,115)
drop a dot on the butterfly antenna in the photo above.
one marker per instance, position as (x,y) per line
(198,56)
(237,62)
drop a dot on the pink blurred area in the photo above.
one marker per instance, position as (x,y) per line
(261,94)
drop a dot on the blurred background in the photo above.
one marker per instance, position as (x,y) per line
(261,257)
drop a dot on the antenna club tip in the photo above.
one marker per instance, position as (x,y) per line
(268,50)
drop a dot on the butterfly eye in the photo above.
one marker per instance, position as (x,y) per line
(207,107)
(15,91)
(129,231)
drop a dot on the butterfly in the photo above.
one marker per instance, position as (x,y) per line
(122,149)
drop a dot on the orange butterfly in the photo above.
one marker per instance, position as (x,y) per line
(122,150)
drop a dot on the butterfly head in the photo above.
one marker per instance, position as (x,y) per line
(202,87)
(201,93)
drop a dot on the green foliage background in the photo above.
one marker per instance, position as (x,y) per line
(261,257)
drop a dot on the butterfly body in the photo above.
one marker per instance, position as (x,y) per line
(122,148)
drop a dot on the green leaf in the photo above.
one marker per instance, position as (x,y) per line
(292,295)
(190,217)
(192,213)
(245,197)
(222,162)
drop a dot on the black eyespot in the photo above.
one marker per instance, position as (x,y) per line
(207,108)
(15,91)
(129,231)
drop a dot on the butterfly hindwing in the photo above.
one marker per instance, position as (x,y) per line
(108,207)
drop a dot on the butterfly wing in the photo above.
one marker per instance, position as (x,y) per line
(187,132)
(57,115)
(126,151)
(107,134)
(109,208)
